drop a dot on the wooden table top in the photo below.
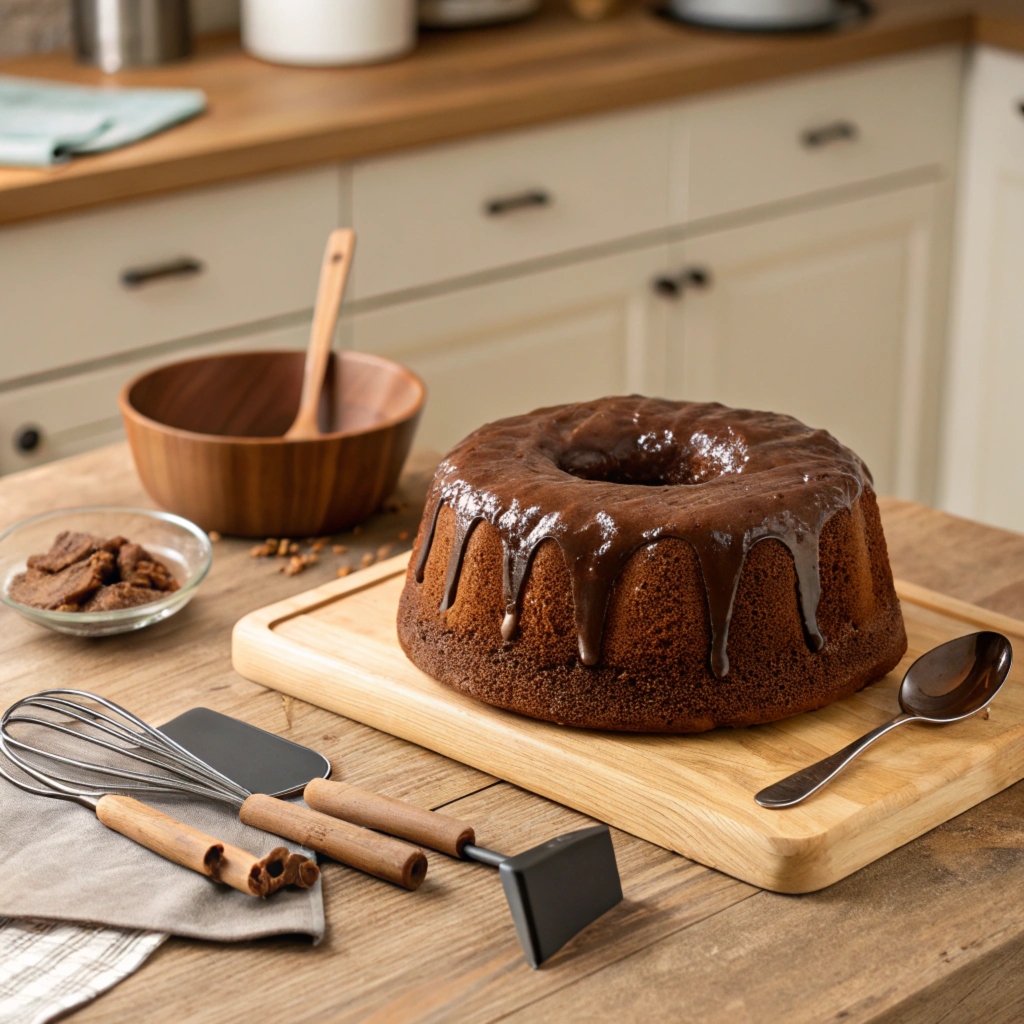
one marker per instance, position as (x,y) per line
(457,84)
(933,931)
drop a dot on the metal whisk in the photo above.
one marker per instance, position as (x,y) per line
(88,749)
(152,829)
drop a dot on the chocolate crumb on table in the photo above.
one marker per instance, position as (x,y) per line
(85,573)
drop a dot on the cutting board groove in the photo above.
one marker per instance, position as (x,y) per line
(337,647)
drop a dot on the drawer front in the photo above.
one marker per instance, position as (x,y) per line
(230,255)
(820,132)
(562,335)
(50,421)
(463,208)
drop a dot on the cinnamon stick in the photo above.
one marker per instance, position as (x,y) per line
(263,876)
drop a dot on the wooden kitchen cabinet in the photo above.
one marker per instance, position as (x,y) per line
(833,315)
(983,468)
(559,335)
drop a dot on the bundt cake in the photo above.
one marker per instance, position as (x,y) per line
(645,565)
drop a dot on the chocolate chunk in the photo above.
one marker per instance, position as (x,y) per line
(82,572)
(70,586)
(139,568)
(155,575)
(120,595)
(68,548)
(128,557)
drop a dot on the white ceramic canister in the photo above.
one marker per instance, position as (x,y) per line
(328,32)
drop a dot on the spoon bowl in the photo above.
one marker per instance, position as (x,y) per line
(957,679)
(951,682)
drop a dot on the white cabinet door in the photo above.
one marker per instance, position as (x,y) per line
(833,316)
(983,449)
(63,417)
(562,335)
(459,209)
(811,134)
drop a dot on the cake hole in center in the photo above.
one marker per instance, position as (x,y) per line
(700,459)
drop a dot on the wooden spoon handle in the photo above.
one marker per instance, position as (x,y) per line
(161,833)
(357,847)
(333,275)
(397,818)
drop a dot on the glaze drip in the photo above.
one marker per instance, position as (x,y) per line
(605,479)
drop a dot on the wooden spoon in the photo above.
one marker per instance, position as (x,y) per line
(333,275)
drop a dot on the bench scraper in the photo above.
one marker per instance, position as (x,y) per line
(553,890)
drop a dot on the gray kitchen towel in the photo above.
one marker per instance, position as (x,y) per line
(44,123)
(61,863)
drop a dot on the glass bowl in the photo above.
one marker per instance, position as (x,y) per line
(181,545)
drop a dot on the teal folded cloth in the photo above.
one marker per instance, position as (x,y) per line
(44,123)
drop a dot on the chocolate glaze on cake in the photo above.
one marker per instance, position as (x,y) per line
(605,480)
(719,478)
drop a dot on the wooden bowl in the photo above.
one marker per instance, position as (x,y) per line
(206,438)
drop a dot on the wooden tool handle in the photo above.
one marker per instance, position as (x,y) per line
(333,275)
(397,818)
(161,833)
(357,847)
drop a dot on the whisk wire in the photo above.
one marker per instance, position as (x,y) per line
(143,782)
(188,777)
(182,771)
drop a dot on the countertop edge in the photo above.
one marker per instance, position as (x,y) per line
(136,173)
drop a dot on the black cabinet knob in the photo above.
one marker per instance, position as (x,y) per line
(672,286)
(27,439)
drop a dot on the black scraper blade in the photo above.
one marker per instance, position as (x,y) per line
(556,889)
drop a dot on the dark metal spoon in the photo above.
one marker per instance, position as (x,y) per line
(953,681)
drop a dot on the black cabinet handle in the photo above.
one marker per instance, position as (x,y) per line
(837,131)
(522,201)
(673,286)
(27,439)
(186,266)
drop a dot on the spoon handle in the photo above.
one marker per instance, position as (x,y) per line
(800,785)
(333,275)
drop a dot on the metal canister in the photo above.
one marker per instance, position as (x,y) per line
(116,34)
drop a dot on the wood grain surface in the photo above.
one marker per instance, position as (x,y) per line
(263,118)
(338,648)
(933,931)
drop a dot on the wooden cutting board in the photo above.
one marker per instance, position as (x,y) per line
(337,647)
